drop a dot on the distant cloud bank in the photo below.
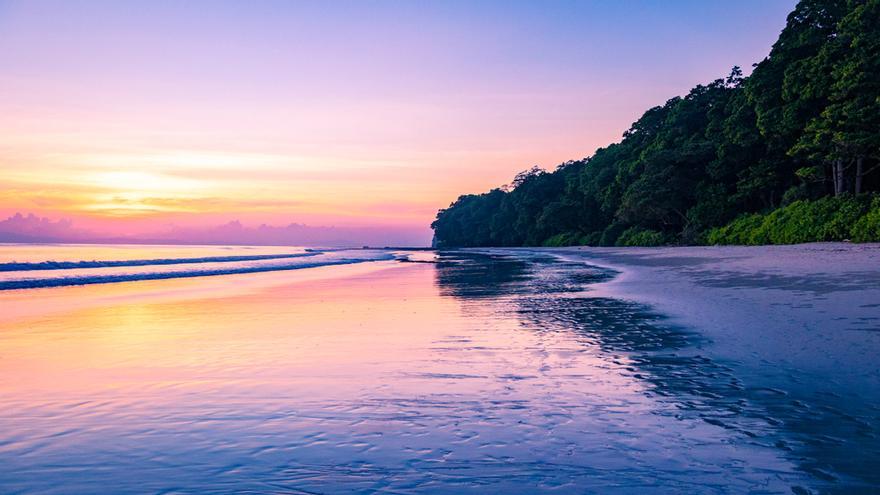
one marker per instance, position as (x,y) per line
(32,228)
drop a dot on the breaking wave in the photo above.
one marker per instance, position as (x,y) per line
(30,275)
(66,265)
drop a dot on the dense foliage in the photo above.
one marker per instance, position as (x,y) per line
(804,125)
(827,219)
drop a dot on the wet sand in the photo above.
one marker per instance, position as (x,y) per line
(816,304)
(801,321)
(534,371)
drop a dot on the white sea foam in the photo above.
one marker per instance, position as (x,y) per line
(63,272)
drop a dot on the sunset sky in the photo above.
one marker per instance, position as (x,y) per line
(130,118)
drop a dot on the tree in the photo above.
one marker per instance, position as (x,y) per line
(848,126)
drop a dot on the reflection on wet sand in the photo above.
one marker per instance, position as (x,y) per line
(836,444)
(476,373)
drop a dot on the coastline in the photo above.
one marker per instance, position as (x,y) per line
(407,377)
(524,371)
(762,302)
(798,326)
(783,336)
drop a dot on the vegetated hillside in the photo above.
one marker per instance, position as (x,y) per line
(801,133)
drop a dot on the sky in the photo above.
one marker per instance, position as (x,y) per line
(131,118)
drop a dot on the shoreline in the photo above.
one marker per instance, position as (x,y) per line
(485,363)
(814,307)
(797,326)
(758,301)
(791,332)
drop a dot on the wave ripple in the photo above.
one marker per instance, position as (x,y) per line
(43,274)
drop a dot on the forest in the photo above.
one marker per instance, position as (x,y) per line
(790,153)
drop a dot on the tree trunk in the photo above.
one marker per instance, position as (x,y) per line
(860,168)
(834,177)
(835,171)
(838,174)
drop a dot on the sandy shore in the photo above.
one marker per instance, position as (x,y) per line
(798,326)
(815,307)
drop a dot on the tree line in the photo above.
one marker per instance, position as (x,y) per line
(803,126)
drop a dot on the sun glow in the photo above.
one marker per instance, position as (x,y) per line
(141,181)
(138,193)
